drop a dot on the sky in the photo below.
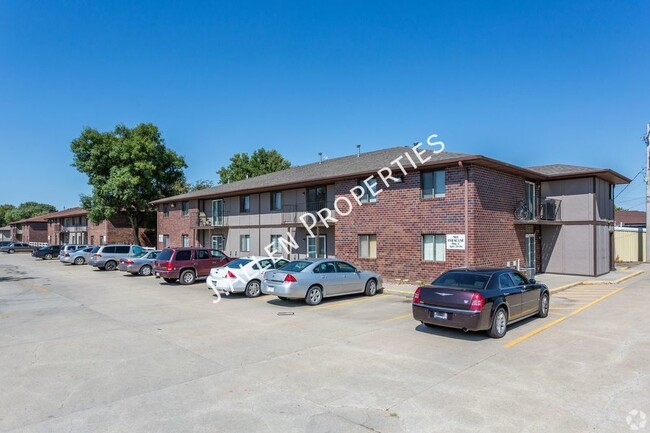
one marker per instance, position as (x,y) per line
(529,83)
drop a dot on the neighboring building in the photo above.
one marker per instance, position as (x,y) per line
(71,226)
(30,230)
(454,210)
(630,218)
(5,233)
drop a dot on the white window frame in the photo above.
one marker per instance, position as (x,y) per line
(311,246)
(436,249)
(364,246)
(245,243)
(185,241)
(438,184)
(368,196)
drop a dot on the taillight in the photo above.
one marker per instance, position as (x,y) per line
(231,275)
(128,262)
(66,255)
(290,279)
(97,255)
(416,296)
(169,266)
(478,301)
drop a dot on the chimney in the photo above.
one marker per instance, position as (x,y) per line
(320,155)
(358,150)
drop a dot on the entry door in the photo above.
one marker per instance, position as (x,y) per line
(217,242)
(311,246)
(530,252)
(217,212)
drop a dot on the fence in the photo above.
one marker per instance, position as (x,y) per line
(629,243)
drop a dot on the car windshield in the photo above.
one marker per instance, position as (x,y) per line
(462,280)
(95,249)
(296,266)
(239,263)
(165,255)
(140,254)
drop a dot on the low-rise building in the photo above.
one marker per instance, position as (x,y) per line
(451,210)
(30,230)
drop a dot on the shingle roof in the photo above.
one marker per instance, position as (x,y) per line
(74,211)
(570,171)
(629,216)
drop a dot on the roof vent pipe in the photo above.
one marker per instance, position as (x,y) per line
(320,155)
(358,150)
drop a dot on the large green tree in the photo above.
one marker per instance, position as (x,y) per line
(127,169)
(243,166)
(4,209)
(24,210)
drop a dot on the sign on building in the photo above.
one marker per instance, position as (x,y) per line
(455,242)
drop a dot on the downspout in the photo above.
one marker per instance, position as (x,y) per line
(466,181)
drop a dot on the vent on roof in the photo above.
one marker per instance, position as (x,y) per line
(320,155)
(358,150)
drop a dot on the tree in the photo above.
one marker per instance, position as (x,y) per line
(4,209)
(199,185)
(27,210)
(127,169)
(243,166)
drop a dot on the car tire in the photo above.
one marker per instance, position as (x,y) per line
(314,295)
(47,256)
(79,261)
(187,277)
(544,304)
(371,287)
(283,298)
(145,270)
(253,289)
(169,280)
(499,324)
(110,265)
(11,251)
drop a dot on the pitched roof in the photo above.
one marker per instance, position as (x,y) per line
(35,219)
(567,171)
(629,216)
(73,211)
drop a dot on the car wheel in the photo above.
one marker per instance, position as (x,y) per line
(110,265)
(169,280)
(283,298)
(145,270)
(314,295)
(499,324)
(47,256)
(187,277)
(79,261)
(253,289)
(543,306)
(11,251)
(371,287)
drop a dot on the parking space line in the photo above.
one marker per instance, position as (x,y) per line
(556,321)
(400,317)
(344,303)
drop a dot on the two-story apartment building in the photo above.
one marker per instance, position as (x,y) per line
(29,230)
(434,213)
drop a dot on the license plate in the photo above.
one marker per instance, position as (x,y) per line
(437,315)
(270,289)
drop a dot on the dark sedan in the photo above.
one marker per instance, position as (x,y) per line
(480,299)
(47,253)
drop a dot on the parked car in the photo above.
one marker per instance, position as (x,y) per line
(187,264)
(243,275)
(70,248)
(4,243)
(78,257)
(139,264)
(108,256)
(47,253)
(17,247)
(315,279)
(477,299)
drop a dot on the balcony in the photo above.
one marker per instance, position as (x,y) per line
(73,229)
(547,212)
(291,213)
(199,220)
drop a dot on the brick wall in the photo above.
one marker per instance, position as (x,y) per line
(115,231)
(175,225)
(34,232)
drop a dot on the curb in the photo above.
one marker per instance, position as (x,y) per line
(403,293)
(596,282)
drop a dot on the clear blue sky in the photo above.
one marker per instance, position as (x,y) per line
(530,82)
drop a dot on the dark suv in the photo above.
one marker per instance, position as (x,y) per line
(47,253)
(187,264)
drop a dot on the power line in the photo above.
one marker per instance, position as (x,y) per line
(637,175)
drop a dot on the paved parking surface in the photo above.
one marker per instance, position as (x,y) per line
(85,350)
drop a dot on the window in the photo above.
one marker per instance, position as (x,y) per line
(263,264)
(275,243)
(345,267)
(165,210)
(138,250)
(325,268)
(185,241)
(367,196)
(312,247)
(280,263)
(316,198)
(530,200)
(102,240)
(217,242)
(202,255)
(244,243)
(123,249)
(183,255)
(108,250)
(368,246)
(245,203)
(185,208)
(217,255)
(276,200)
(505,281)
(165,241)
(518,279)
(433,184)
(433,248)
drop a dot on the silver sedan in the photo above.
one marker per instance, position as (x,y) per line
(140,264)
(315,279)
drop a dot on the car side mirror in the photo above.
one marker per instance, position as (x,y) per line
(532,281)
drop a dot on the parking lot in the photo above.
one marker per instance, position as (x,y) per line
(86,350)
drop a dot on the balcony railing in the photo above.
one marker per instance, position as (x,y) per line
(73,229)
(546,210)
(199,220)
(291,213)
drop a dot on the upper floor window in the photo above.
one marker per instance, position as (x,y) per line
(185,208)
(165,210)
(245,203)
(316,198)
(276,200)
(433,184)
(531,200)
(368,192)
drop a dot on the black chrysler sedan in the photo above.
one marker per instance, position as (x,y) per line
(479,299)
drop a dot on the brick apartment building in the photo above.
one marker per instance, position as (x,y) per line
(29,230)
(454,210)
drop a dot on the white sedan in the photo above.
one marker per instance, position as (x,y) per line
(243,275)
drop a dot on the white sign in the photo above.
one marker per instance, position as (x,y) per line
(160,238)
(455,242)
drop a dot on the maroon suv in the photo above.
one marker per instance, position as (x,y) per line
(187,264)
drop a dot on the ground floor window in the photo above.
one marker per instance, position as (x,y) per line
(433,248)
(185,241)
(102,240)
(368,246)
(275,243)
(217,242)
(165,242)
(313,246)
(245,243)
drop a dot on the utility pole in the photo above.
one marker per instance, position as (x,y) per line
(647,193)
